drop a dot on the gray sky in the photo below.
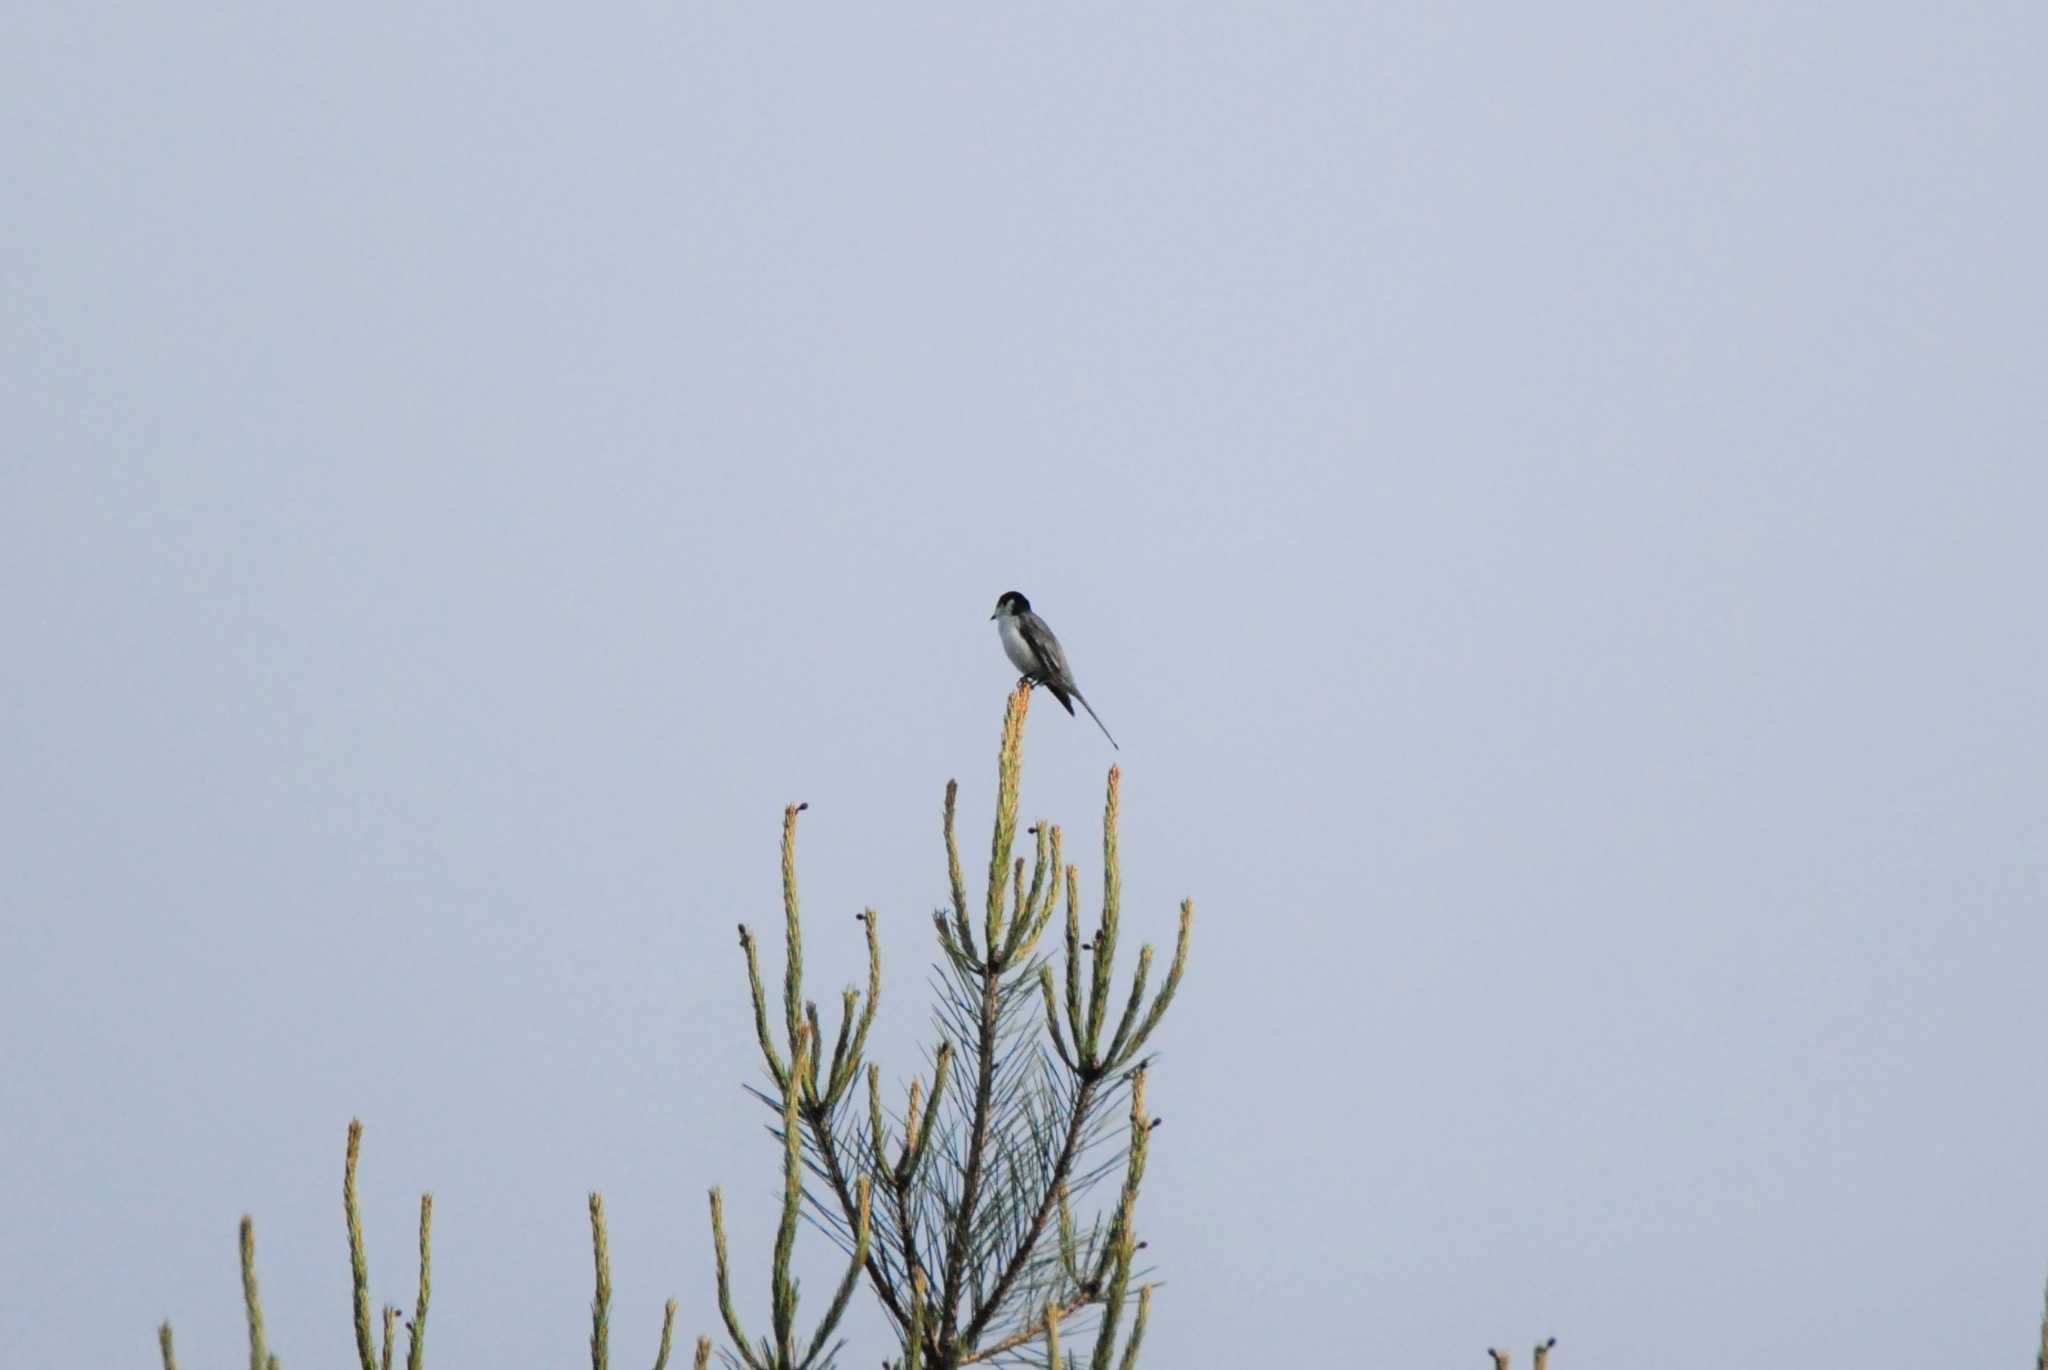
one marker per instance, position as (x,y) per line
(1550,500)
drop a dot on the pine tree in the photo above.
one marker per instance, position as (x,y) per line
(959,1207)
(957,1212)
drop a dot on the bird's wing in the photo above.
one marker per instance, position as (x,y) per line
(1047,648)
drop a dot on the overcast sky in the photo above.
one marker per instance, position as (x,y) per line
(1550,499)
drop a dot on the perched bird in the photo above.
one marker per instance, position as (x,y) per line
(1033,650)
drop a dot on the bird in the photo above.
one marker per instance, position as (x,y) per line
(1032,649)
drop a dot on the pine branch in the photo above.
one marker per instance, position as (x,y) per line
(359,1268)
(258,1357)
(984,1035)
(416,1330)
(977,1147)
(958,886)
(2040,1361)
(827,1150)
(782,1287)
(725,1308)
(1130,1359)
(1069,1149)
(668,1327)
(793,933)
(601,1300)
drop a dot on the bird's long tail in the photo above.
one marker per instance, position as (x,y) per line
(1097,717)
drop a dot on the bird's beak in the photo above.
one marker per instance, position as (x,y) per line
(996,615)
